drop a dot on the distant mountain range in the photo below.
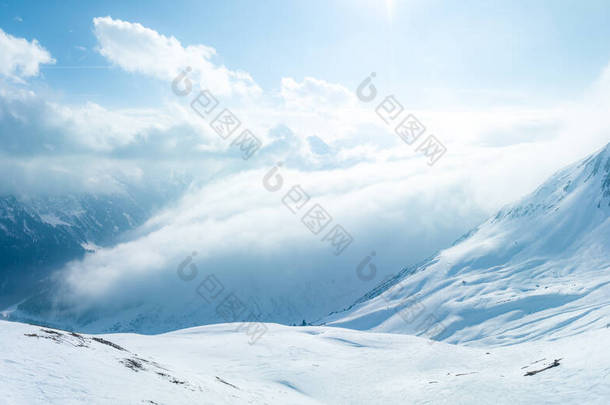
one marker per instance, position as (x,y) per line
(40,234)
(539,268)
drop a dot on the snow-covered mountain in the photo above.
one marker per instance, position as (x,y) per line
(533,278)
(214,364)
(539,268)
(40,234)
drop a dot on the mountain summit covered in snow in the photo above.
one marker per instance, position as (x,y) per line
(540,268)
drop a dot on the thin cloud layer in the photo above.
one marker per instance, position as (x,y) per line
(315,94)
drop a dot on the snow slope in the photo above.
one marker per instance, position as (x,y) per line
(539,268)
(292,365)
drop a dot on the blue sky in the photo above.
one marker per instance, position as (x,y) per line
(428,52)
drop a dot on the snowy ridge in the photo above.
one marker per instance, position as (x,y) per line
(538,269)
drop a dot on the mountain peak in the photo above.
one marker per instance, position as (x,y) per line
(514,277)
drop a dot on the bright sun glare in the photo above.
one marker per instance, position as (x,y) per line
(389,7)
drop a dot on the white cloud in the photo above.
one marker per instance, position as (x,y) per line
(32,124)
(315,94)
(20,58)
(136,48)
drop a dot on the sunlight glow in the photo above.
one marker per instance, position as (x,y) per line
(389,6)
